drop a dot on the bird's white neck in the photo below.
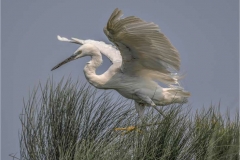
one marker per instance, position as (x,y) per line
(90,71)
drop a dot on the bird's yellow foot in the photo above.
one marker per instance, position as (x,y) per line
(128,129)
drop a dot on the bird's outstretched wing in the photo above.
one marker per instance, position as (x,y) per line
(145,50)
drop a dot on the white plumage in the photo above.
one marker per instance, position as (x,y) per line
(142,56)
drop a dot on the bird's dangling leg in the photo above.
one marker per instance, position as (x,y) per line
(148,100)
(140,107)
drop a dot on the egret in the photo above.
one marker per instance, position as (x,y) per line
(141,56)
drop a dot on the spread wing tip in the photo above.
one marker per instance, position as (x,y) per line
(117,13)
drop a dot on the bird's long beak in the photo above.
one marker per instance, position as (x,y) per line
(64,62)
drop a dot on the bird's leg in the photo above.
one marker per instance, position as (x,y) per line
(140,110)
(148,100)
(159,111)
(140,107)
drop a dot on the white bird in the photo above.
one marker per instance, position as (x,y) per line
(142,56)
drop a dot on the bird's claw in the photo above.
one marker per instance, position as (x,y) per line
(127,129)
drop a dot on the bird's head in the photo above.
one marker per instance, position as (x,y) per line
(84,50)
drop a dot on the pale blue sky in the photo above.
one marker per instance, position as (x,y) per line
(206,33)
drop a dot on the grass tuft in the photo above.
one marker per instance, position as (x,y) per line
(73,121)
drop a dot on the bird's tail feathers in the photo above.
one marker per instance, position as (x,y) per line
(177,90)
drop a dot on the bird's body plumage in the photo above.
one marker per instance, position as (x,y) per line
(142,56)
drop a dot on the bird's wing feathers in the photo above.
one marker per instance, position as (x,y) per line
(144,49)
